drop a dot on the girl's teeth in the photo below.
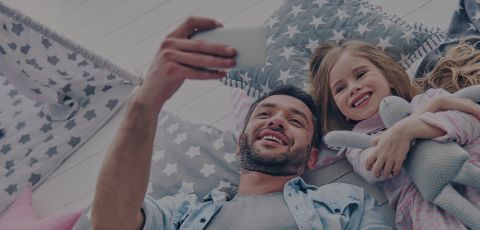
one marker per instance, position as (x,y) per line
(362,100)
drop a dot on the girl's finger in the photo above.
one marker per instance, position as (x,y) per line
(388,169)
(377,167)
(370,161)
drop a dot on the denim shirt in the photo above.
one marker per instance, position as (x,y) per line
(331,206)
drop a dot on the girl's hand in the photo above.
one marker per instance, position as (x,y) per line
(390,150)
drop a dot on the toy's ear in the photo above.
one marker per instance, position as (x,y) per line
(339,139)
(393,109)
(471,93)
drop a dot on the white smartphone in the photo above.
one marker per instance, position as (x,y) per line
(250,43)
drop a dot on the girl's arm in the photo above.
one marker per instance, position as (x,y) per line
(357,158)
(392,147)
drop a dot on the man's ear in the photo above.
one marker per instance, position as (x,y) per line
(312,160)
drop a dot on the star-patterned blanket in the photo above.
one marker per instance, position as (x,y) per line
(298,26)
(54,96)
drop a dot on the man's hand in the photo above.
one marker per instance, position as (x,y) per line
(181,58)
(123,178)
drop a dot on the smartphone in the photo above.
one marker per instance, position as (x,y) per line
(250,43)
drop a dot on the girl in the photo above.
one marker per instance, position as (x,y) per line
(350,80)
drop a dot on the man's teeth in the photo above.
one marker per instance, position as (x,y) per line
(361,100)
(272,138)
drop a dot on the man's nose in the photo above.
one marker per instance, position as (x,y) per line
(277,122)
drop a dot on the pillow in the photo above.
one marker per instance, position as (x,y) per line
(187,158)
(298,26)
(20,216)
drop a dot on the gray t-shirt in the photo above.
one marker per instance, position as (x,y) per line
(269,211)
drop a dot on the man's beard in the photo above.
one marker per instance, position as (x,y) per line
(284,164)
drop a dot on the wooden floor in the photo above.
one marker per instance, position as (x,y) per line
(128,33)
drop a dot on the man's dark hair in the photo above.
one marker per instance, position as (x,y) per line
(299,94)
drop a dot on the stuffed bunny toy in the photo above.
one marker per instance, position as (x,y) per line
(432,166)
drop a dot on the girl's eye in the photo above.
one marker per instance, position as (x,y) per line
(339,89)
(361,74)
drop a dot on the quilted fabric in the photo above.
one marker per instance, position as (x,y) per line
(298,26)
(54,96)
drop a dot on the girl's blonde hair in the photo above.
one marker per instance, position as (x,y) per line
(321,64)
(457,69)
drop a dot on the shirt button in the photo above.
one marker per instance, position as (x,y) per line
(337,210)
(202,220)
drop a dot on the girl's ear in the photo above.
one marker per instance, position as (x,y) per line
(312,161)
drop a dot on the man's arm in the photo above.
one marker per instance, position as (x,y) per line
(123,177)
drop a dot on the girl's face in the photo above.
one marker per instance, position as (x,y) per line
(357,86)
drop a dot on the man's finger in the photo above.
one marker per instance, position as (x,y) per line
(195,73)
(197,60)
(198,46)
(194,24)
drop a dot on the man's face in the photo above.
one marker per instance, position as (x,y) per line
(277,137)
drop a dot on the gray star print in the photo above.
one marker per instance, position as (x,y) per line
(51,151)
(53,60)
(111,104)
(11,189)
(106,88)
(24,49)
(62,73)
(89,90)
(90,114)
(2,51)
(37,91)
(111,77)
(12,46)
(13,93)
(20,124)
(72,56)
(9,164)
(74,141)
(32,162)
(24,139)
(34,178)
(83,63)
(17,113)
(5,149)
(17,28)
(70,124)
(33,63)
(46,43)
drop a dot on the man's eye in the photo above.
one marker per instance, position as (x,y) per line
(296,122)
(263,115)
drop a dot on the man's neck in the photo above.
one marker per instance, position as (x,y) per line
(257,183)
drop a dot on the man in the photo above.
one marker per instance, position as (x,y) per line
(278,143)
